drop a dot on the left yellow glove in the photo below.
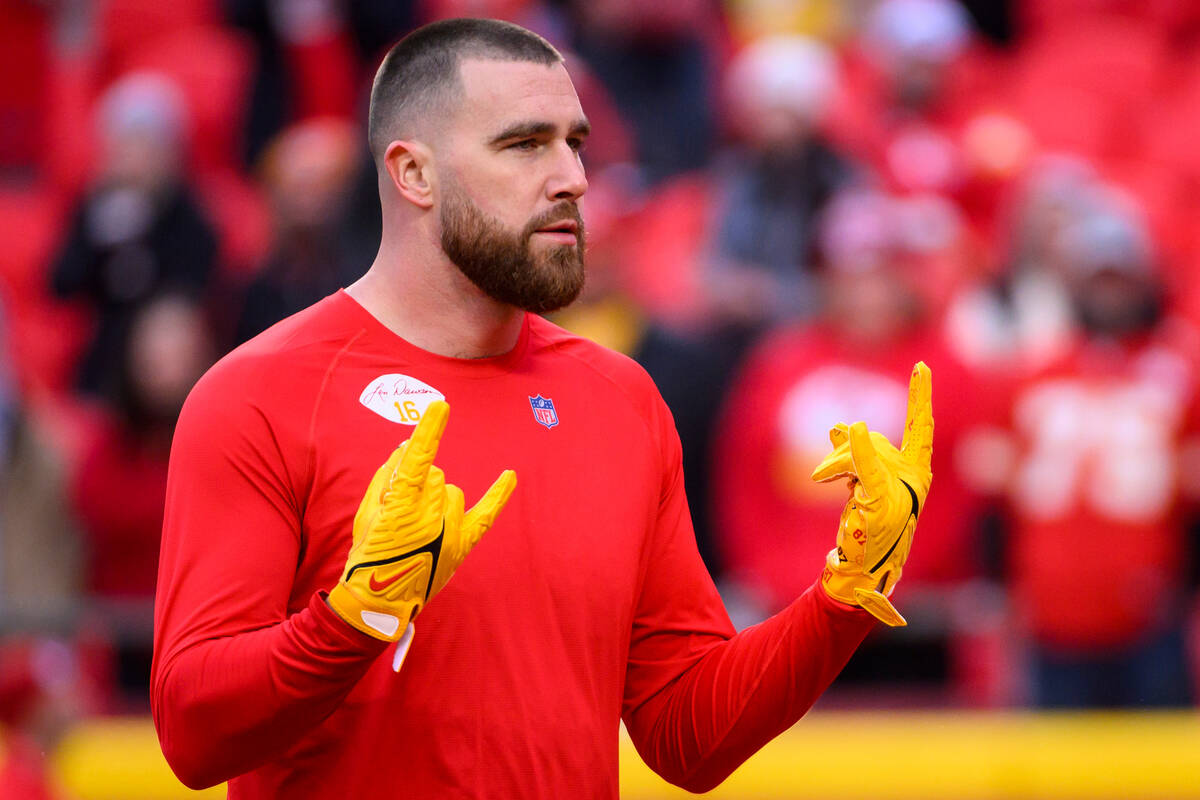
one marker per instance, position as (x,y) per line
(888,491)
(410,534)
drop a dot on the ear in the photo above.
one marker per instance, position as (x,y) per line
(410,168)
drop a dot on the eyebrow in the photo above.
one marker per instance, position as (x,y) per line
(522,130)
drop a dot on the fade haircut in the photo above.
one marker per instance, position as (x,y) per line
(421,71)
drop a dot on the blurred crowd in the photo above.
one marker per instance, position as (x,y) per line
(791,202)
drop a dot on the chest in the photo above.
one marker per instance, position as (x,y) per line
(570,537)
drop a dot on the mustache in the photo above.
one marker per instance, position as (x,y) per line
(566,210)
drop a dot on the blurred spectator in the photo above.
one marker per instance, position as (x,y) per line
(659,61)
(306,65)
(918,85)
(853,364)
(1023,318)
(118,490)
(309,172)
(39,546)
(773,185)
(1099,499)
(138,231)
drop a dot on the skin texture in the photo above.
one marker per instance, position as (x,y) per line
(502,185)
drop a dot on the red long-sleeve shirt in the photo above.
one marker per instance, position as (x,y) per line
(586,603)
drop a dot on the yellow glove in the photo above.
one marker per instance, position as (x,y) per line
(410,534)
(888,490)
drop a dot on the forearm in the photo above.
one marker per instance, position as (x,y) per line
(225,706)
(746,691)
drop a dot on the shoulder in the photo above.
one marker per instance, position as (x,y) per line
(601,373)
(561,350)
(283,366)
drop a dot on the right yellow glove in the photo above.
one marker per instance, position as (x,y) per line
(410,534)
(888,491)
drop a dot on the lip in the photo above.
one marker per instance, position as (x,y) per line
(562,226)
(562,237)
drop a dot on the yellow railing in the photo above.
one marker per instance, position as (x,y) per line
(834,755)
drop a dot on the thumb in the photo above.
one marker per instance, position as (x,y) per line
(481,516)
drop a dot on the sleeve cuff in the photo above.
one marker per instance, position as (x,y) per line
(341,632)
(837,607)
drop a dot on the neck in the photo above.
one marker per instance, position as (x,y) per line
(425,300)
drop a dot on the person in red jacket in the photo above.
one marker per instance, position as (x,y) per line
(118,487)
(848,364)
(1103,491)
(585,604)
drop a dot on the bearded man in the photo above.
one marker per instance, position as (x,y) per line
(586,604)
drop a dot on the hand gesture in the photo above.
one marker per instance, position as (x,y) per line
(888,490)
(410,534)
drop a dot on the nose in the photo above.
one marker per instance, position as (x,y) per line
(567,180)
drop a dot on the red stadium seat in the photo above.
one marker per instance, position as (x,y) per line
(124,25)
(24,51)
(44,338)
(1084,88)
(33,220)
(1118,60)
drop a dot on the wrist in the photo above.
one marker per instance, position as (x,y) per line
(860,589)
(839,583)
(373,619)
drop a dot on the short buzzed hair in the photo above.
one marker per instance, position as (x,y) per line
(422,70)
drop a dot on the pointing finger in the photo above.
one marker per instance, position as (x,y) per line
(917,445)
(420,450)
(378,487)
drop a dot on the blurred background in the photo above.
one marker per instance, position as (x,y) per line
(791,202)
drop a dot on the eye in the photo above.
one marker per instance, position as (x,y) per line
(524,144)
(577,144)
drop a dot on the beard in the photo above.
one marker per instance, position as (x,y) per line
(504,265)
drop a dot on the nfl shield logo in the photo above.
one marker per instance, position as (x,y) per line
(543,411)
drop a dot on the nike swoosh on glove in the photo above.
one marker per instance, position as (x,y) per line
(410,534)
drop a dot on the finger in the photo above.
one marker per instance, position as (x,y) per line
(455,505)
(479,519)
(434,493)
(414,465)
(918,428)
(837,464)
(455,546)
(839,434)
(377,488)
(870,472)
(383,477)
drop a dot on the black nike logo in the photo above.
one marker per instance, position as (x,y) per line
(434,549)
(914,510)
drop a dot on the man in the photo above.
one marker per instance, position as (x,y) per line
(587,604)
(1103,439)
